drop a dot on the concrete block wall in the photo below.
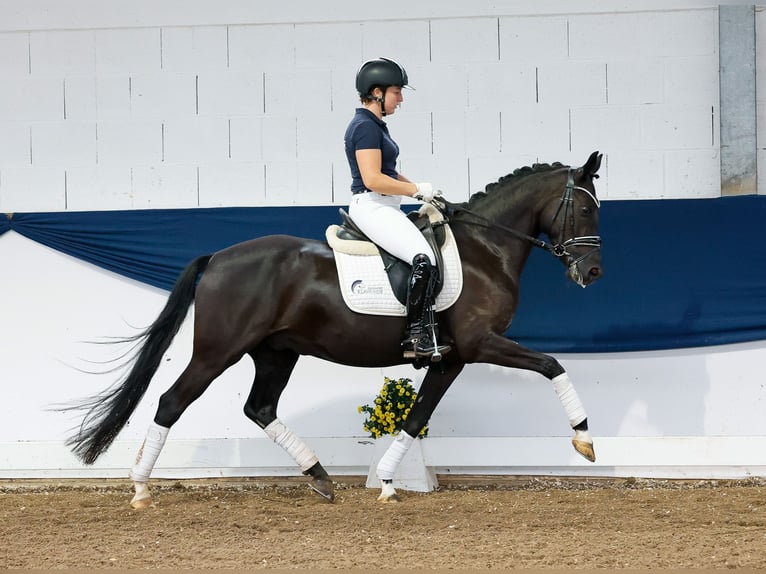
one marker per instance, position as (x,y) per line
(252,112)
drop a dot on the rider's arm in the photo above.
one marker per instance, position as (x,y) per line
(370,162)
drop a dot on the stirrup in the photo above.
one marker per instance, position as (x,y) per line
(415,348)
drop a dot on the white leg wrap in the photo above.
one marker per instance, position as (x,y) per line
(149,451)
(569,399)
(393,456)
(295,447)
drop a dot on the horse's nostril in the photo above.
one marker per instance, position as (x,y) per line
(595,271)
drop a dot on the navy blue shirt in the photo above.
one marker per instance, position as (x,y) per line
(366,131)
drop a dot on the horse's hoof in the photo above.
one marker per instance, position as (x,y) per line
(324,488)
(585,449)
(388,498)
(141,503)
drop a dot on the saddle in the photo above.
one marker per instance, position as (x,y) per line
(429,221)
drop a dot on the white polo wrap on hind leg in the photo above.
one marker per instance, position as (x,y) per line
(569,399)
(295,447)
(390,460)
(148,453)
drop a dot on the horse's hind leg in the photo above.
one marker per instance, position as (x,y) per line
(195,379)
(272,372)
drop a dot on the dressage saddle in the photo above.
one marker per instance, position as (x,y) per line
(399,271)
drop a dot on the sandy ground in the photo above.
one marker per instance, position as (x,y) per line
(474,523)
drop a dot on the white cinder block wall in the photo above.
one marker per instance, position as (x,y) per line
(149,107)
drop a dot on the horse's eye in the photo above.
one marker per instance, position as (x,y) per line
(587,210)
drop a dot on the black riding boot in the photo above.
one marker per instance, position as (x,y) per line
(419,338)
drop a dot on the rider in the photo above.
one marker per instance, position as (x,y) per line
(377,188)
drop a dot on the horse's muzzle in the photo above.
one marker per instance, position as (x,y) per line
(586,269)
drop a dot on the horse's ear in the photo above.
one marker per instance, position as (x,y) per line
(591,166)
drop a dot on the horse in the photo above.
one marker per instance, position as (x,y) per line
(278,297)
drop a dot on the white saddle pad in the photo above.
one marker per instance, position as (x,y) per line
(364,282)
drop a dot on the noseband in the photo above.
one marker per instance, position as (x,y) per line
(565,210)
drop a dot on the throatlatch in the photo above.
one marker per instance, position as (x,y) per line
(421,339)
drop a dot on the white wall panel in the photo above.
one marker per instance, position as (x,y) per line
(633,175)
(602,36)
(691,80)
(64,144)
(279,138)
(538,131)
(573,83)
(33,98)
(196,140)
(245,139)
(32,189)
(634,81)
(14,54)
(130,143)
(229,94)
(15,146)
(328,45)
(692,174)
(447,173)
(320,136)
(678,33)
(99,188)
(482,134)
(192,49)
(164,186)
(254,48)
(438,87)
(315,185)
(677,127)
(80,98)
(289,92)
(612,128)
(166,95)
(113,97)
(128,51)
(533,40)
(489,168)
(407,42)
(412,131)
(464,40)
(65,52)
(498,86)
(231,184)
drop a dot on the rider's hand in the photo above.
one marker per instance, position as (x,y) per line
(425,192)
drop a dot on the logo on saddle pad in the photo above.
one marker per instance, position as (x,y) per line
(365,285)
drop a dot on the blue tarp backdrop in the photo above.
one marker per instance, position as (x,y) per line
(678,273)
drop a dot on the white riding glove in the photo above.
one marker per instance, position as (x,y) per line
(426,192)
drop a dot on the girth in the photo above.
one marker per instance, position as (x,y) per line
(399,271)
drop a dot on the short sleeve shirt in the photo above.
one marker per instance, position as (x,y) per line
(366,131)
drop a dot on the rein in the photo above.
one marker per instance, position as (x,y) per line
(559,249)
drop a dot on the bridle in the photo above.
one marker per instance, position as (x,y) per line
(565,210)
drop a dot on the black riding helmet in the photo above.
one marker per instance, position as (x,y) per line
(382,73)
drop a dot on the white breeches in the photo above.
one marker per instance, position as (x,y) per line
(382,219)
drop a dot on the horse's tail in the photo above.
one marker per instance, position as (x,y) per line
(109,411)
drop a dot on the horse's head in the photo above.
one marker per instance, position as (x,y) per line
(573,226)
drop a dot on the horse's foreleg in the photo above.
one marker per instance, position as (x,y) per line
(435,384)
(582,441)
(145,460)
(498,350)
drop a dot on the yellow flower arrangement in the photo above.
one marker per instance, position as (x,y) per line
(390,408)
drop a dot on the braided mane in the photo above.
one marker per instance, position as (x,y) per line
(518,174)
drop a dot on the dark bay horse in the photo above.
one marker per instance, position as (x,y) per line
(277,297)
